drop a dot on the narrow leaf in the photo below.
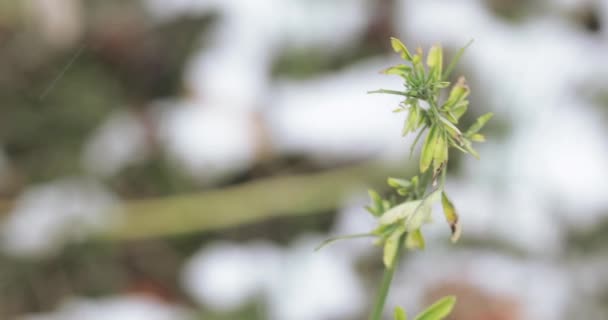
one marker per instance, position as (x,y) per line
(371,210)
(440,151)
(422,213)
(449,115)
(399,93)
(455,135)
(434,60)
(478,124)
(426,157)
(458,93)
(413,146)
(391,246)
(412,119)
(376,206)
(399,212)
(415,181)
(451,216)
(398,183)
(455,60)
(478,137)
(449,125)
(439,310)
(460,108)
(400,70)
(386,205)
(418,66)
(400,314)
(414,240)
(403,191)
(400,48)
(442,84)
(457,144)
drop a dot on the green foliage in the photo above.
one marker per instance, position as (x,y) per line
(426,112)
(438,310)
(400,314)
(450,216)
(402,215)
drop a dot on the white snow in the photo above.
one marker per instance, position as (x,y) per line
(295,283)
(115,308)
(209,142)
(333,117)
(117,143)
(47,215)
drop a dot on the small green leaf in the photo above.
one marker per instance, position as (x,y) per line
(426,158)
(417,62)
(412,120)
(478,137)
(439,310)
(398,183)
(460,108)
(383,231)
(450,126)
(376,208)
(448,114)
(478,124)
(422,213)
(458,93)
(415,181)
(400,314)
(418,67)
(386,205)
(414,240)
(399,212)
(442,84)
(400,70)
(455,135)
(451,216)
(371,210)
(440,151)
(400,48)
(403,191)
(434,60)
(391,246)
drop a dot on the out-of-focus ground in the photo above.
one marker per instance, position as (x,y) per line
(178,160)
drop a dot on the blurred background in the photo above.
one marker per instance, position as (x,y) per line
(177,160)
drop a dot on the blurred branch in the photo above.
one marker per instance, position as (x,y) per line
(246,203)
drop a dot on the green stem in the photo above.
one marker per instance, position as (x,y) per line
(400,93)
(350,236)
(386,284)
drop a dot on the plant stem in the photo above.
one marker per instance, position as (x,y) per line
(386,284)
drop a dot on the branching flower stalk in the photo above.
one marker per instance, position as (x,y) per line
(401,215)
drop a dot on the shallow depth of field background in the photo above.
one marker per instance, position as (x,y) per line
(178,160)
